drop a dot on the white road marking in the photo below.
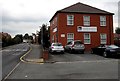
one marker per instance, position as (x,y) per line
(12,71)
(98,61)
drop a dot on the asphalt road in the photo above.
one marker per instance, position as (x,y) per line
(106,69)
(68,66)
(67,57)
(11,57)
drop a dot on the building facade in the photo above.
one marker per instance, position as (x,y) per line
(82,22)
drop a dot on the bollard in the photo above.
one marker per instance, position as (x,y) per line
(45,54)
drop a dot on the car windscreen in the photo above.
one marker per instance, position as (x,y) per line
(57,44)
(78,43)
(113,46)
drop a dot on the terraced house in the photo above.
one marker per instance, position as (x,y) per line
(91,25)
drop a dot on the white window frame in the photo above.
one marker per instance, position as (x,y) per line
(68,38)
(86,20)
(102,20)
(103,38)
(70,21)
(87,40)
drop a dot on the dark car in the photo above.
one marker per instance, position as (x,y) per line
(106,50)
(98,50)
(75,46)
(111,50)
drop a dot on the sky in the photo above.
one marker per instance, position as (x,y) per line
(26,16)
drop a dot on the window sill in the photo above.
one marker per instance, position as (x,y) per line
(87,43)
(102,26)
(70,25)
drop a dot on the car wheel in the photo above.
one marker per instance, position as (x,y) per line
(105,54)
(92,52)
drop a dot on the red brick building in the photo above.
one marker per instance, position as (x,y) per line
(91,25)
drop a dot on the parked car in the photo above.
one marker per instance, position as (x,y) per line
(56,47)
(106,50)
(111,50)
(75,46)
(99,49)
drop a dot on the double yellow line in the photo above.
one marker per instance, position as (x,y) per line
(28,61)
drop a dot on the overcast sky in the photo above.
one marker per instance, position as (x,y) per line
(25,16)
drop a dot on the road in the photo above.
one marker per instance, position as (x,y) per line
(71,70)
(11,57)
(69,66)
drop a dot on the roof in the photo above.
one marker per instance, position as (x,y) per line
(82,8)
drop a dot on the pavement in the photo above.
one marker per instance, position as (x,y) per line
(34,55)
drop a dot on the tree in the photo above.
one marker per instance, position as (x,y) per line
(43,36)
(30,37)
(20,36)
(18,39)
(117,39)
(6,39)
(117,30)
(26,36)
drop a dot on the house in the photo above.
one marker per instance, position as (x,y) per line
(91,25)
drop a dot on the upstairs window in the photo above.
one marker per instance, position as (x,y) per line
(70,19)
(102,20)
(86,20)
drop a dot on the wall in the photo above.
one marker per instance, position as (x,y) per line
(78,21)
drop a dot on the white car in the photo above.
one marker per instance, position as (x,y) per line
(56,47)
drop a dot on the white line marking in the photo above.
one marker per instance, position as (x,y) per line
(98,61)
(12,71)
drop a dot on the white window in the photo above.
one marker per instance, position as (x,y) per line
(87,38)
(86,20)
(102,20)
(70,19)
(70,37)
(103,39)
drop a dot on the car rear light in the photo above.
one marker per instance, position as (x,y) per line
(52,47)
(72,46)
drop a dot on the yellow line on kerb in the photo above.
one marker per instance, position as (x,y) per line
(32,62)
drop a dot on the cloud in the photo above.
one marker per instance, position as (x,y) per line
(20,28)
(21,16)
(29,18)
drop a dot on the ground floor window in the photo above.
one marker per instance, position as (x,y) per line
(103,39)
(70,37)
(87,38)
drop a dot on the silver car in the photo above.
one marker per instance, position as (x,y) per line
(75,46)
(56,47)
